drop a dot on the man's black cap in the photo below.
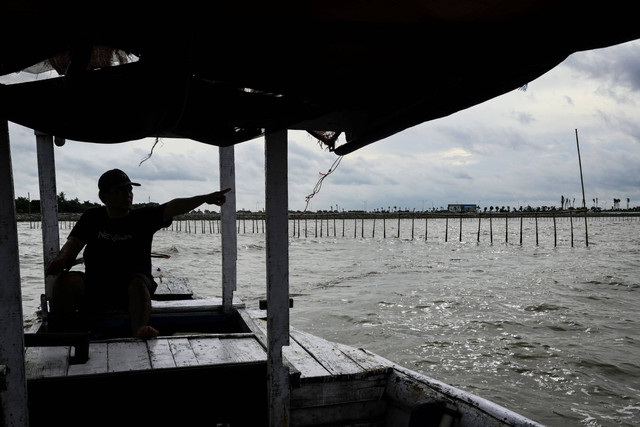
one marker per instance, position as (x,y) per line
(114,178)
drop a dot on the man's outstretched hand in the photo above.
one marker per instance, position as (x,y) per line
(218,197)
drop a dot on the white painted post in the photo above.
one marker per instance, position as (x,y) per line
(48,203)
(13,395)
(228,230)
(277,254)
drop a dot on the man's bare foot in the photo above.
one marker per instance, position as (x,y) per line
(147,332)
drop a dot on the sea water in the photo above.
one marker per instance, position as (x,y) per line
(550,330)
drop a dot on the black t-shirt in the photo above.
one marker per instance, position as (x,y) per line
(118,247)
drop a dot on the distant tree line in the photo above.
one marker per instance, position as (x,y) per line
(25,206)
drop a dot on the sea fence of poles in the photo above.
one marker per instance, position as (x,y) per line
(512,227)
(563,228)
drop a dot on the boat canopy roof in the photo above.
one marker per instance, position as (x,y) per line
(230,72)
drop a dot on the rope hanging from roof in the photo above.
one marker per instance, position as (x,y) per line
(318,185)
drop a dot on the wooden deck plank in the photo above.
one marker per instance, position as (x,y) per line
(160,354)
(210,351)
(367,360)
(183,354)
(197,304)
(170,288)
(130,355)
(97,363)
(303,361)
(295,354)
(44,362)
(244,349)
(325,352)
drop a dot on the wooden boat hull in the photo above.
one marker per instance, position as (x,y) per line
(217,394)
(200,377)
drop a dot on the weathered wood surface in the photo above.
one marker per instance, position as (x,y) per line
(228,221)
(169,286)
(205,304)
(338,383)
(44,362)
(317,358)
(13,396)
(277,263)
(294,355)
(48,203)
(136,355)
(172,288)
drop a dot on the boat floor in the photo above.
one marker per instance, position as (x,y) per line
(311,357)
(314,364)
(188,377)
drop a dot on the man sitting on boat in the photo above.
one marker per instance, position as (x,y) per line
(117,256)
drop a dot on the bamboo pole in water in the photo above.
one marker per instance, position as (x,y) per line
(584,202)
(413,219)
(506,228)
(384,226)
(571,219)
(373,232)
(446,229)
(426,228)
(520,229)
(491,228)
(479,228)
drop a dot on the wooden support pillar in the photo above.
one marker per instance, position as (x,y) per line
(13,392)
(277,257)
(228,233)
(48,203)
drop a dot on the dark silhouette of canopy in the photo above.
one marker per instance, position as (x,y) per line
(226,73)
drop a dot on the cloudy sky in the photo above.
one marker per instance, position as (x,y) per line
(515,150)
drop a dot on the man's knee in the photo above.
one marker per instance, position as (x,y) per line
(69,283)
(68,294)
(138,286)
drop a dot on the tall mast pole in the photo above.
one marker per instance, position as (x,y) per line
(584,200)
